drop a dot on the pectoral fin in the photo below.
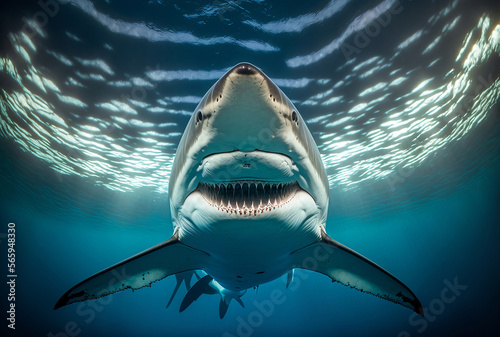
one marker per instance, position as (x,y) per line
(349,268)
(168,258)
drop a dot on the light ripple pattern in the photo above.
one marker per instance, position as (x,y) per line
(370,115)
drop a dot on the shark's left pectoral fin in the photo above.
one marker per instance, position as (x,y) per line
(168,258)
(349,268)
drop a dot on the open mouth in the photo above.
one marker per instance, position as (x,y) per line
(248,197)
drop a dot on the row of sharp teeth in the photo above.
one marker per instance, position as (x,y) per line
(248,197)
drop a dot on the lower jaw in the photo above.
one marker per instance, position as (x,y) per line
(222,234)
(252,209)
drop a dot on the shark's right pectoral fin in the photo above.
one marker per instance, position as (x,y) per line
(168,258)
(349,268)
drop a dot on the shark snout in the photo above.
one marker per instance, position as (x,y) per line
(245,69)
(246,111)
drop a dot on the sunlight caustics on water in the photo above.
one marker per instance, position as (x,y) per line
(364,129)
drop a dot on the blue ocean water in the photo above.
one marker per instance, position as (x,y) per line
(401,98)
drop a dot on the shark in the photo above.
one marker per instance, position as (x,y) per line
(249,200)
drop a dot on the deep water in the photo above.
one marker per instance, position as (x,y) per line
(93,106)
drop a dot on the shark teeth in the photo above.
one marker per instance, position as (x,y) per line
(248,197)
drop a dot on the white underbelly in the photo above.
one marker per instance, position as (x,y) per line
(257,252)
(246,251)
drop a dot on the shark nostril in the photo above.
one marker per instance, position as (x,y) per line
(246,69)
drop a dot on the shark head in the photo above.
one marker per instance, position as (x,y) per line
(247,156)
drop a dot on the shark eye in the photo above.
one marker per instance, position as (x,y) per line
(199,116)
(294,117)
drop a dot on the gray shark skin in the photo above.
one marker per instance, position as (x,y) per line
(249,198)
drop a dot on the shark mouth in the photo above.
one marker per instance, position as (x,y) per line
(248,197)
